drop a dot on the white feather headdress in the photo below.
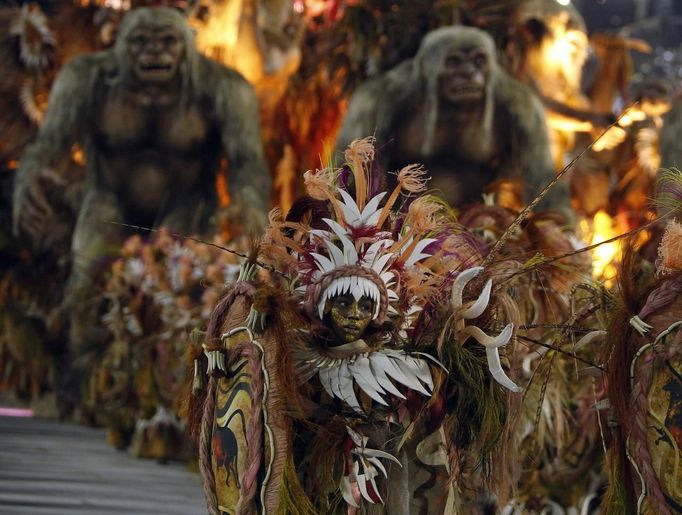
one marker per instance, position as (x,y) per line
(359,251)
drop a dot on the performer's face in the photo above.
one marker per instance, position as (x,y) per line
(349,318)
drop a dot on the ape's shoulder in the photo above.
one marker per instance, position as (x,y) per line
(79,75)
(386,93)
(518,99)
(374,104)
(511,90)
(389,85)
(216,76)
(225,89)
(83,65)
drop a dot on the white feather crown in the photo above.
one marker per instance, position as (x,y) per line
(360,251)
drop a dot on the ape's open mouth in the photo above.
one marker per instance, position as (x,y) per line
(464,91)
(156,71)
(467,89)
(156,67)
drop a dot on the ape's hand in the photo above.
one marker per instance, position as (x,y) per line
(253,219)
(32,212)
(248,220)
(249,211)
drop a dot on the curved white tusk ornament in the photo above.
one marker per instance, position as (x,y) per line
(476,309)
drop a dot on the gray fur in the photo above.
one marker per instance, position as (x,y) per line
(512,117)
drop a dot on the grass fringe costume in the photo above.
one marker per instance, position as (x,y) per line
(304,403)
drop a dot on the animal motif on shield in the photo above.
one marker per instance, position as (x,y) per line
(233,402)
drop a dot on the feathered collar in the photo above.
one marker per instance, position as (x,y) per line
(378,372)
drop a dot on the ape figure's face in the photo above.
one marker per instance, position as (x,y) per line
(155,52)
(348,318)
(464,75)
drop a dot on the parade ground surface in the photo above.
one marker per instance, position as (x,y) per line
(53,468)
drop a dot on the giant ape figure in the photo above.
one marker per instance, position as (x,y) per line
(154,118)
(453,109)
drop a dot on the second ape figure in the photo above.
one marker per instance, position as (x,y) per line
(455,110)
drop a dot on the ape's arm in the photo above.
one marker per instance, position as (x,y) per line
(361,119)
(373,109)
(50,154)
(530,151)
(248,175)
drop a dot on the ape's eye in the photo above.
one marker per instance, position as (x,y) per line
(170,40)
(453,62)
(479,60)
(139,41)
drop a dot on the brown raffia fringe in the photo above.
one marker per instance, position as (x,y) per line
(279,424)
(254,436)
(639,436)
(661,296)
(205,463)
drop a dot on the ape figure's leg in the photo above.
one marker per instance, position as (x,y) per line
(95,239)
(191,216)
